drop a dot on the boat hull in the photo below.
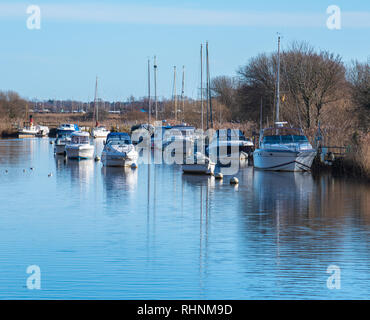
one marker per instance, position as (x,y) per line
(199,168)
(117,160)
(80,151)
(274,160)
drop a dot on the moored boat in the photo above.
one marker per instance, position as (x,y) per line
(119,151)
(198,163)
(80,147)
(230,144)
(283,148)
(99,132)
(60,143)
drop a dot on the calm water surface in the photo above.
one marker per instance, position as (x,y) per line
(154,233)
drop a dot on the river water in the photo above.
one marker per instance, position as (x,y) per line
(154,233)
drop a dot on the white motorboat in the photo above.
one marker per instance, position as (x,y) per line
(119,151)
(283,148)
(80,147)
(230,144)
(198,163)
(67,128)
(99,132)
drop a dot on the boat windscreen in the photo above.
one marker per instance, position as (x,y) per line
(119,140)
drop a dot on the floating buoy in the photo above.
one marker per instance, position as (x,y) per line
(31,168)
(97,158)
(50,175)
(51,141)
(134,166)
(234,180)
(219,175)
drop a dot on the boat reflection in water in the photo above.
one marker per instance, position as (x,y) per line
(120,179)
(283,190)
(82,171)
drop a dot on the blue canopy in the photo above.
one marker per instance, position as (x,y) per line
(120,135)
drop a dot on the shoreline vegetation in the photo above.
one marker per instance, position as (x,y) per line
(319,93)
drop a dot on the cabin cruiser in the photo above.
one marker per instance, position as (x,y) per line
(198,163)
(60,143)
(181,137)
(283,148)
(230,144)
(119,151)
(67,128)
(99,132)
(80,147)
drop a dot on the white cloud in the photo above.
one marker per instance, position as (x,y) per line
(136,14)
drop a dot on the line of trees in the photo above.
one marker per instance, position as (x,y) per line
(316,86)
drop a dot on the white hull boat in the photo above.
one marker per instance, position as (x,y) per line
(99,132)
(198,164)
(28,131)
(85,151)
(119,151)
(80,147)
(275,160)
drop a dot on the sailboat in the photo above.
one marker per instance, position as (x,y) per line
(98,131)
(199,162)
(281,147)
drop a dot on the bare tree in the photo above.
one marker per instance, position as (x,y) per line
(359,76)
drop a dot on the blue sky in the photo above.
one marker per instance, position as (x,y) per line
(81,39)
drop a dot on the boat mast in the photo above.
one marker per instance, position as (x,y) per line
(207,84)
(95,102)
(209,88)
(183,92)
(149,102)
(174,91)
(278,84)
(155,88)
(201,83)
(261,115)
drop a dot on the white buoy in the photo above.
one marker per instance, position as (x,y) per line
(234,180)
(219,175)
(134,166)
